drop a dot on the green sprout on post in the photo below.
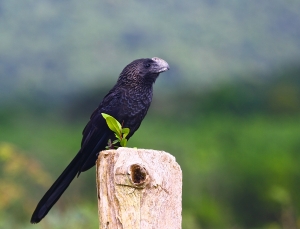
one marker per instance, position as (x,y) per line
(120,132)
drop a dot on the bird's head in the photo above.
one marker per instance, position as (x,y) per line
(144,70)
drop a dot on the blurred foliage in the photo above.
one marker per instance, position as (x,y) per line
(238,147)
(52,47)
(19,172)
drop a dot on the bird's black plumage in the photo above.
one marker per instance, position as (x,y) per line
(128,101)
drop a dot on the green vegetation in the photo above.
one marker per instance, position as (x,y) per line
(237,170)
(71,45)
(120,132)
(238,147)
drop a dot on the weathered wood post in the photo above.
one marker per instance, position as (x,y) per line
(138,189)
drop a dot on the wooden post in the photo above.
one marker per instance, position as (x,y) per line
(138,189)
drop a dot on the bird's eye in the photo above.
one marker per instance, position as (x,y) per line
(147,65)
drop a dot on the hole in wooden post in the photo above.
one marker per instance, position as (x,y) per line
(138,174)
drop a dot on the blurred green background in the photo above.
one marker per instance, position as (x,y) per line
(228,110)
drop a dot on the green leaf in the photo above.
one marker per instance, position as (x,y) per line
(105,115)
(120,133)
(125,132)
(115,141)
(118,137)
(123,142)
(112,123)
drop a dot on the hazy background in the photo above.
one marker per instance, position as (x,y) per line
(228,110)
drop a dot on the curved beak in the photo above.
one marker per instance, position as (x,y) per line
(162,65)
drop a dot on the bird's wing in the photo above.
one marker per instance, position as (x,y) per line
(96,133)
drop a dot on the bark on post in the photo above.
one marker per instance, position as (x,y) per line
(138,189)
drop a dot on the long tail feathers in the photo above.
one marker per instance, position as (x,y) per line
(56,190)
(81,162)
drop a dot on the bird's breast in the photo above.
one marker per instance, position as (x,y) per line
(134,106)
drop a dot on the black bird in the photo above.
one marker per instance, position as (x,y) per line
(128,102)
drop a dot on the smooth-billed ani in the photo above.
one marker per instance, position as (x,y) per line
(128,101)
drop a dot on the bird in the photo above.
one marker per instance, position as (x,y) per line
(128,102)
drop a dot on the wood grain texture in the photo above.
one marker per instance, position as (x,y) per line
(138,188)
